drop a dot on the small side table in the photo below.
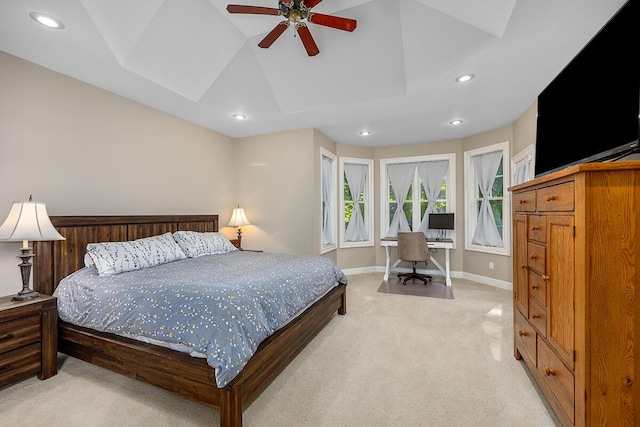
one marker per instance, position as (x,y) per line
(28,338)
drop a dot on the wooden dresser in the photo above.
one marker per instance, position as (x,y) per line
(576,283)
(28,338)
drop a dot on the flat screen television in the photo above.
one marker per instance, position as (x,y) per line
(589,112)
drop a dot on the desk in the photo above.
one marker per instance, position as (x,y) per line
(445,244)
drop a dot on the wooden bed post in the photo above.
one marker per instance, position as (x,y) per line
(231,407)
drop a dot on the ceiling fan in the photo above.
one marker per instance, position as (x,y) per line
(296,12)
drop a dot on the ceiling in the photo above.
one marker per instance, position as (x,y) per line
(394,75)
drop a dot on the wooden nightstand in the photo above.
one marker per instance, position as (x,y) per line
(28,338)
(236,243)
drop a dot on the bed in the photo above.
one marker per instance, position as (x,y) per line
(176,371)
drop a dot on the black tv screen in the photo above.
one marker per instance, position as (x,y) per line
(591,108)
(441,221)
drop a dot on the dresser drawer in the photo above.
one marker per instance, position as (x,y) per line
(559,379)
(19,332)
(524,201)
(20,363)
(556,198)
(538,317)
(536,257)
(525,338)
(538,228)
(538,288)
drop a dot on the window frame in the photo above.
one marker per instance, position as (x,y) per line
(470,203)
(333,221)
(384,188)
(528,155)
(368,202)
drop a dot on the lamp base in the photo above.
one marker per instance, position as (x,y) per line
(25,294)
(25,269)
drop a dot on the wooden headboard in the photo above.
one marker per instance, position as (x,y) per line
(56,260)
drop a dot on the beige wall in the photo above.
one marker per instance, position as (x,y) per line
(524,129)
(83,151)
(274,174)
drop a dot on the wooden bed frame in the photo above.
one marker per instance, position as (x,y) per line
(171,370)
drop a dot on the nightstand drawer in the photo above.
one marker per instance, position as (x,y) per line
(20,363)
(19,332)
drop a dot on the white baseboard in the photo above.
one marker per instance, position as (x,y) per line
(454,275)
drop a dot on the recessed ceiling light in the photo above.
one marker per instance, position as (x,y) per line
(46,20)
(455,122)
(465,78)
(365,132)
(239,116)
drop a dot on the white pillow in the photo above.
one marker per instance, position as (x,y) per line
(118,257)
(196,244)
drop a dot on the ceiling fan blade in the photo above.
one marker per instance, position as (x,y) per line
(307,40)
(274,34)
(311,3)
(254,10)
(336,22)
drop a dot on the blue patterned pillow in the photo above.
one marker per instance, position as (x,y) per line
(195,244)
(117,257)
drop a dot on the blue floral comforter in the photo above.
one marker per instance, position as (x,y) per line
(222,306)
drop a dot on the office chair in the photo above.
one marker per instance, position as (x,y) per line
(412,247)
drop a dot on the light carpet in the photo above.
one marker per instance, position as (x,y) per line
(392,360)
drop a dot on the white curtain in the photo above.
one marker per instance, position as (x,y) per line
(522,173)
(432,175)
(327,185)
(486,167)
(356,178)
(400,175)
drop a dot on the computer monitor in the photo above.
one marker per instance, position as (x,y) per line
(441,221)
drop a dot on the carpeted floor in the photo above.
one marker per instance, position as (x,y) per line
(417,288)
(392,360)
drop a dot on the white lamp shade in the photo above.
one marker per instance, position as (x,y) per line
(238,218)
(28,221)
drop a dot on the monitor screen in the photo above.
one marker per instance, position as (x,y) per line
(441,221)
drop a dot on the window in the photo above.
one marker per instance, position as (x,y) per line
(488,216)
(356,202)
(523,166)
(328,201)
(411,187)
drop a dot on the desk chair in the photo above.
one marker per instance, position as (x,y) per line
(412,247)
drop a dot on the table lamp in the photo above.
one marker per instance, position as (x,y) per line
(238,219)
(27,221)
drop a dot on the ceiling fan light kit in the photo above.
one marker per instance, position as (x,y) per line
(296,12)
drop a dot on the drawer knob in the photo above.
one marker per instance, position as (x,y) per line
(6,337)
(522,202)
(548,371)
(535,316)
(534,287)
(524,266)
(550,198)
(522,333)
(545,277)
(533,257)
(535,227)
